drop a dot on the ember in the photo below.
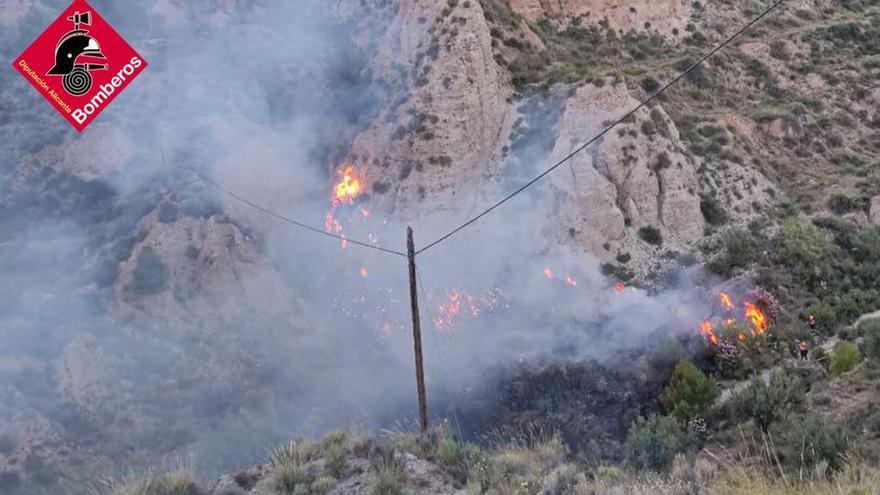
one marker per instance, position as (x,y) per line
(457,304)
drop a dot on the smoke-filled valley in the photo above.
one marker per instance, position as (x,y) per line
(156,310)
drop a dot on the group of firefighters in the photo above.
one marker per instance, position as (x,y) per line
(803,347)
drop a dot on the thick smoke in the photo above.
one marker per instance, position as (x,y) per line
(265,100)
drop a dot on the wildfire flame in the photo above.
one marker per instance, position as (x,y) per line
(757,317)
(364,272)
(708,332)
(620,287)
(548,272)
(348,187)
(725,300)
(570,281)
(755,321)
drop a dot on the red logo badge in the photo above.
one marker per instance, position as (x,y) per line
(80,64)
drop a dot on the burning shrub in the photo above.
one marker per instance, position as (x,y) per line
(767,402)
(653,443)
(690,392)
(844,358)
(766,303)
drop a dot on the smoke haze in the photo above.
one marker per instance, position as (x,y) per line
(141,310)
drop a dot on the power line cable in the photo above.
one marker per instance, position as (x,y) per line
(291,221)
(605,131)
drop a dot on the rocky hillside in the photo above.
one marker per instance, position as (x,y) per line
(725,147)
(149,314)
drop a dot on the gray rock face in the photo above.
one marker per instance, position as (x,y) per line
(189,270)
(447,115)
(627,181)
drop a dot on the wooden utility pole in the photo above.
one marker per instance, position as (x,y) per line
(417,333)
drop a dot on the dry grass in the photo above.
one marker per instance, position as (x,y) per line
(177,482)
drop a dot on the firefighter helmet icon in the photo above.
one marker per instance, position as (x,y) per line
(71,48)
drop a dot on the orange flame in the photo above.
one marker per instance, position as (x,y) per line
(364,272)
(620,287)
(348,187)
(706,330)
(571,281)
(757,317)
(548,272)
(725,300)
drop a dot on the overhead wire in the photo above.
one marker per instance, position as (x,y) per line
(292,221)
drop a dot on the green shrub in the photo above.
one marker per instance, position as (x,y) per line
(295,453)
(690,393)
(651,235)
(389,476)
(766,402)
(814,440)
(843,309)
(323,485)
(802,243)
(842,204)
(455,456)
(334,438)
(653,443)
(150,274)
(336,459)
(844,358)
(740,250)
(712,211)
(871,330)
(292,479)
(174,483)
